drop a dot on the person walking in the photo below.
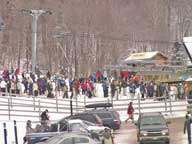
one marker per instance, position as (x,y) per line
(130,112)
(105,89)
(142,90)
(65,91)
(50,90)
(132,89)
(112,89)
(29,128)
(3,86)
(187,127)
(117,88)
(124,86)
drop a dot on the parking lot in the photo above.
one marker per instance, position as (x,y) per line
(128,133)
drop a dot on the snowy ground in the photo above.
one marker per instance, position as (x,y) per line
(21,121)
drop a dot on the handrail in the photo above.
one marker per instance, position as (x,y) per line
(38,104)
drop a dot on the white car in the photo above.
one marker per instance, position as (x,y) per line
(70,138)
(80,125)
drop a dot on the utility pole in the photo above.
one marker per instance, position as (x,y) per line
(35,15)
(1,24)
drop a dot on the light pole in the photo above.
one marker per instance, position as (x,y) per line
(35,15)
(1,24)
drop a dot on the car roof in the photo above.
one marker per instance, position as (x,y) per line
(45,134)
(151,114)
(75,121)
(95,111)
(86,112)
(99,105)
(71,135)
(68,135)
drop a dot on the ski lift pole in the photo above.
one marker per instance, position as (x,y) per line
(71,106)
(5,133)
(15,131)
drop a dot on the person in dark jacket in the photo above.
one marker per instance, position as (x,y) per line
(187,127)
(50,90)
(113,88)
(105,88)
(124,86)
(45,117)
(142,90)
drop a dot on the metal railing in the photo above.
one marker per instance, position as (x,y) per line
(33,106)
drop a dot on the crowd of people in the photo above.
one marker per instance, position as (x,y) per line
(15,82)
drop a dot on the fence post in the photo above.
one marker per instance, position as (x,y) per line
(71,106)
(56,103)
(139,103)
(76,98)
(165,103)
(11,102)
(170,104)
(5,133)
(85,102)
(34,105)
(15,131)
(9,109)
(39,104)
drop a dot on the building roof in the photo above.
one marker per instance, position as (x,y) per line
(143,56)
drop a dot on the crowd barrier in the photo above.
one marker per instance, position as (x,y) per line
(20,106)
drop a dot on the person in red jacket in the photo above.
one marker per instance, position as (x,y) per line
(130,112)
(98,75)
(83,87)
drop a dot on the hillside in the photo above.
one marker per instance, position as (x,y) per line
(94,33)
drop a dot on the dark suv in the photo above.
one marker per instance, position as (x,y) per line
(109,117)
(87,117)
(152,127)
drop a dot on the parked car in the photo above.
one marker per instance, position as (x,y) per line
(71,138)
(77,125)
(65,126)
(109,117)
(87,117)
(152,127)
(33,138)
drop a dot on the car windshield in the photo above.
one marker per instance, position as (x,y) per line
(152,120)
(78,126)
(116,114)
(86,123)
(63,120)
(104,115)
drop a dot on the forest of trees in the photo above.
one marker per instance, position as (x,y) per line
(85,35)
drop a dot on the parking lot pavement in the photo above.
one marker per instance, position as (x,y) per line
(128,133)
